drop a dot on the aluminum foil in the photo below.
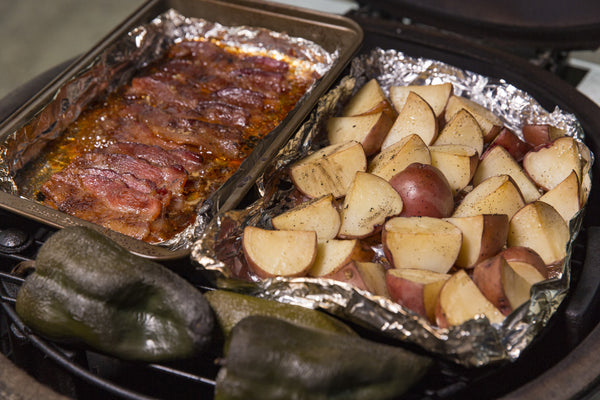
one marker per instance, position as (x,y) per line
(476,343)
(116,64)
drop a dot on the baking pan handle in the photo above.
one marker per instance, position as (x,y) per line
(581,312)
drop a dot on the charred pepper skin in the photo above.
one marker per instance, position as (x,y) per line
(272,359)
(88,289)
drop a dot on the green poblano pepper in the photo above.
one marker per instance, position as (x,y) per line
(86,288)
(272,359)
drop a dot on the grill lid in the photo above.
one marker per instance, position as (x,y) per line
(535,23)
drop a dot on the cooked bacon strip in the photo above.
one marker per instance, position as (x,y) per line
(103,201)
(172,178)
(249,99)
(141,185)
(207,138)
(267,63)
(270,83)
(158,156)
(159,92)
(120,197)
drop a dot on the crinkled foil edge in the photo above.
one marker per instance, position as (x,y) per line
(120,61)
(476,343)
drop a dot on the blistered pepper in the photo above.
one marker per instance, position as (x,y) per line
(88,289)
(272,359)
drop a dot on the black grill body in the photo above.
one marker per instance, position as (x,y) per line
(559,363)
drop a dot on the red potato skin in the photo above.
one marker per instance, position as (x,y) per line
(385,107)
(406,293)
(536,134)
(372,143)
(489,137)
(526,255)
(516,147)
(440,317)
(386,252)
(487,275)
(349,274)
(424,190)
(495,230)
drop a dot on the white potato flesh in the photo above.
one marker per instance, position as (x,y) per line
(497,161)
(319,215)
(422,242)
(495,195)
(279,253)
(369,202)
(329,170)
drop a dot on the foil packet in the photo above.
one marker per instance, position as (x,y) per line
(110,66)
(218,253)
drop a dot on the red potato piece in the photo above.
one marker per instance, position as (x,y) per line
(518,280)
(488,276)
(333,255)
(498,161)
(373,275)
(549,164)
(484,236)
(530,274)
(416,117)
(541,228)
(540,134)
(365,276)
(369,202)
(398,156)
(565,197)
(421,242)
(272,253)
(495,195)
(458,163)
(431,295)
(489,122)
(505,285)
(424,190)
(461,300)
(462,129)
(415,289)
(525,255)
(349,274)
(369,130)
(516,147)
(436,95)
(319,215)
(369,99)
(329,170)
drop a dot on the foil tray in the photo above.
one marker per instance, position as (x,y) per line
(336,35)
(218,253)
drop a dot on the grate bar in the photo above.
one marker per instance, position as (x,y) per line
(182,374)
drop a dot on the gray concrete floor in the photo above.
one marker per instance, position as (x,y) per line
(36,35)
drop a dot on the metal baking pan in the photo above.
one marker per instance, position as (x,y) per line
(335,34)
